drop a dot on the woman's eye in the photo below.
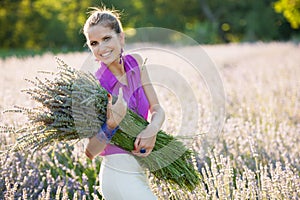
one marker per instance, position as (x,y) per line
(93,43)
(106,39)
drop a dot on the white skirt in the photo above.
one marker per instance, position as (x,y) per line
(122,178)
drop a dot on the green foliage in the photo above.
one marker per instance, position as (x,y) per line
(204,32)
(42,24)
(246,20)
(50,24)
(290,10)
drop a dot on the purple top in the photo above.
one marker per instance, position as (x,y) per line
(133,93)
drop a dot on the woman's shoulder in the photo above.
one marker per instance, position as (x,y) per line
(138,58)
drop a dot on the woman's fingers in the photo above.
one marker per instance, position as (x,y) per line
(144,144)
(117,111)
(120,96)
(142,152)
(120,104)
(109,105)
(120,107)
(136,144)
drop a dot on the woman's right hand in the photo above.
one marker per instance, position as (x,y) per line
(115,112)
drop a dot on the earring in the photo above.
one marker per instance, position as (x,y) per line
(120,62)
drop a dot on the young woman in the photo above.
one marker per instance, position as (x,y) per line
(121,176)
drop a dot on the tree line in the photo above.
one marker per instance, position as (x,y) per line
(52,24)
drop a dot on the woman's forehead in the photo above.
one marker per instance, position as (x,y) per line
(99,31)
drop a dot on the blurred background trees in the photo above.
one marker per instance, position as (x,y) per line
(291,11)
(51,24)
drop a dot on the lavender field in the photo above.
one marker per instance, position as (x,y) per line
(256,156)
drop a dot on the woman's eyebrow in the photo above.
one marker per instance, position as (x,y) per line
(106,36)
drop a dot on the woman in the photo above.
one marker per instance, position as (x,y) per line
(121,176)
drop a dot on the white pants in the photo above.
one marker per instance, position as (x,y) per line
(122,178)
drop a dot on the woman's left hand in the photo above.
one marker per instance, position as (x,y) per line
(145,140)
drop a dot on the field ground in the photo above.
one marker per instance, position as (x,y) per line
(256,155)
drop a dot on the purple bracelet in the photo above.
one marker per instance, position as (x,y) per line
(105,133)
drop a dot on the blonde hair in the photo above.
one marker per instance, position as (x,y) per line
(106,17)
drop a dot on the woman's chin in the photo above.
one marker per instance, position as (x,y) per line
(107,61)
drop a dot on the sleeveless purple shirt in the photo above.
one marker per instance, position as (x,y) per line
(133,93)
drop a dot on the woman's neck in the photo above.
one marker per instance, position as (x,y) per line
(118,70)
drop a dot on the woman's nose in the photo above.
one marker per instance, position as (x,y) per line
(100,47)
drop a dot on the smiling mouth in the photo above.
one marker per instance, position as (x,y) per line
(106,54)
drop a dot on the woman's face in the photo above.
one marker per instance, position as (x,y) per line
(105,43)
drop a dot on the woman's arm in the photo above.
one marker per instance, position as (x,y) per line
(94,147)
(146,139)
(115,114)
